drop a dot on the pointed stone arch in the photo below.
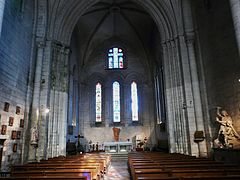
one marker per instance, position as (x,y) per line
(68,13)
(174,22)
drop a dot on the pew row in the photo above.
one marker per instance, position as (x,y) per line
(149,165)
(92,167)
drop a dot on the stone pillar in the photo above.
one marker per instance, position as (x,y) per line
(196,94)
(52,125)
(36,103)
(180,98)
(45,102)
(235,6)
(81,112)
(64,101)
(74,102)
(127,104)
(187,103)
(58,101)
(108,105)
(70,99)
(169,107)
(194,103)
(2,5)
(174,97)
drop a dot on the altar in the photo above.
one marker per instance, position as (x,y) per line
(118,147)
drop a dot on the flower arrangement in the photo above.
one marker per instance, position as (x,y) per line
(140,144)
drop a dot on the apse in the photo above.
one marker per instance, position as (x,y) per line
(113,54)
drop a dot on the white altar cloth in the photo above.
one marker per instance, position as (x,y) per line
(118,147)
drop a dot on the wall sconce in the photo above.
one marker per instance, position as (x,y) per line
(47,110)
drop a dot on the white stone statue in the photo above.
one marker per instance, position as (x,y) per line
(226,131)
(34,135)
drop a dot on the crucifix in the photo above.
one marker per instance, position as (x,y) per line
(79,147)
(78,137)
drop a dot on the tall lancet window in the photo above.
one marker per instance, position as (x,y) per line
(98,102)
(116,102)
(115,58)
(134,101)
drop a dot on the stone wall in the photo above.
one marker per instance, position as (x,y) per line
(94,70)
(15,65)
(219,58)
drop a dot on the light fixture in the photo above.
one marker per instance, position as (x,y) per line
(47,110)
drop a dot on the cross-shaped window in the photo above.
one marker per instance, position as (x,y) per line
(115,58)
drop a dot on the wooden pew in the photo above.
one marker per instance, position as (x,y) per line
(94,169)
(186,166)
(159,178)
(217,177)
(160,166)
(91,166)
(103,165)
(158,173)
(45,177)
(90,174)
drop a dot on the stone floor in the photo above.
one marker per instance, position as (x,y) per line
(118,171)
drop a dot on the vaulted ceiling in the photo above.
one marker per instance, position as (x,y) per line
(109,21)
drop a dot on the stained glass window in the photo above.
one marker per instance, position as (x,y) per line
(98,102)
(134,101)
(115,58)
(116,102)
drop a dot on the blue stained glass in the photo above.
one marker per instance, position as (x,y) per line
(116,102)
(98,102)
(134,102)
(110,60)
(115,58)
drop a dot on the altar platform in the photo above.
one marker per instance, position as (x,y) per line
(118,147)
(228,156)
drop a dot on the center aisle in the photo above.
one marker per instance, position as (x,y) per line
(118,171)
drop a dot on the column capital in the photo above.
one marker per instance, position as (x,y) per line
(40,44)
(189,37)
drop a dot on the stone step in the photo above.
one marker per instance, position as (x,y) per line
(119,157)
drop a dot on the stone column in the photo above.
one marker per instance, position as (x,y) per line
(81,118)
(187,103)
(74,102)
(64,101)
(180,98)
(172,79)
(194,103)
(108,105)
(235,6)
(58,100)
(53,100)
(127,104)
(169,107)
(196,94)
(2,5)
(45,102)
(157,97)
(36,103)
(70,99)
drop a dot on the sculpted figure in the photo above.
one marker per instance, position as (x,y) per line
(226,129)
(34,135)
(116,132)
